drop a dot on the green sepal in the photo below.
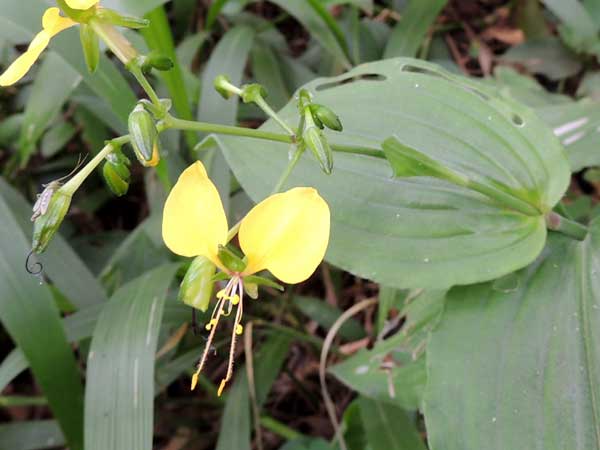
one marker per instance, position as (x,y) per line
(262,281)
(220,276)
(253,92)
(159,112)
(230,260)
(316,141)
(304,101)
(326,116)
(197,285)
(144,136)
(116,178)
(121,20)
(47,224)
(90,43)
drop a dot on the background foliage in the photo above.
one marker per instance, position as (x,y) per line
(484,334)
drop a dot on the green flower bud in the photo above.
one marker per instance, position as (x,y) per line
(316,141)
(197,285)
(116,178)
(224,87)
(120,20)
(230,260)
(91,46)
(155,60)
(252,92)
(326,116)
(47,223)
(144,136)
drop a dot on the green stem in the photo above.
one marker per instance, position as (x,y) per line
(73,184)
(262,104)
(136,71)
(560,224)
(203,127)
(17,400)
(366,151)
(117,43)
(288,170)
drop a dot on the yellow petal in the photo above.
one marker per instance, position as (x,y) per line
(81,4)
(286,234)
(53,23)
(23,63)
(194,221)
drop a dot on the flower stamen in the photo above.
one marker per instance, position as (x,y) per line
(237,330)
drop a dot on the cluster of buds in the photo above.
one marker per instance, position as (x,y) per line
(314,118)
(116,172)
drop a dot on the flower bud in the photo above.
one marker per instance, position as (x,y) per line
(120,20)
(116,173)
(316,141)
(91,46)
(144,137)
(197,285)
(230,260)
(326,116)
(252,92)
(223,86)
(47,224)
(156,60)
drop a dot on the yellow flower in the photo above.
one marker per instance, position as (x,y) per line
(52,24)
(286,234)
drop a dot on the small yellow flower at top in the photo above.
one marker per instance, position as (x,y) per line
(52,24)
(286,234)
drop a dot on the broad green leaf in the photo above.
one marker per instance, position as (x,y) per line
(120,371)
(313,20)
(214,11)
(416,232)
(388,427)
(61,264)
(79,326)
(520,368)
(52,86)
(578,29)
(28,314)
(408,34)
(235,423)
(19,25)
(35,435)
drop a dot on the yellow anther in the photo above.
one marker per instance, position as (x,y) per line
(235,299)
(222,293)
(221,387)
(194,381)
(210,324)
(239,329)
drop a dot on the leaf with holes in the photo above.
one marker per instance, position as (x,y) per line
(420,232)
(532,380)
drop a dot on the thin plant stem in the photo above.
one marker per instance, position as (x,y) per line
(288,170)
(262,104)
(252,384)
(329,405)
